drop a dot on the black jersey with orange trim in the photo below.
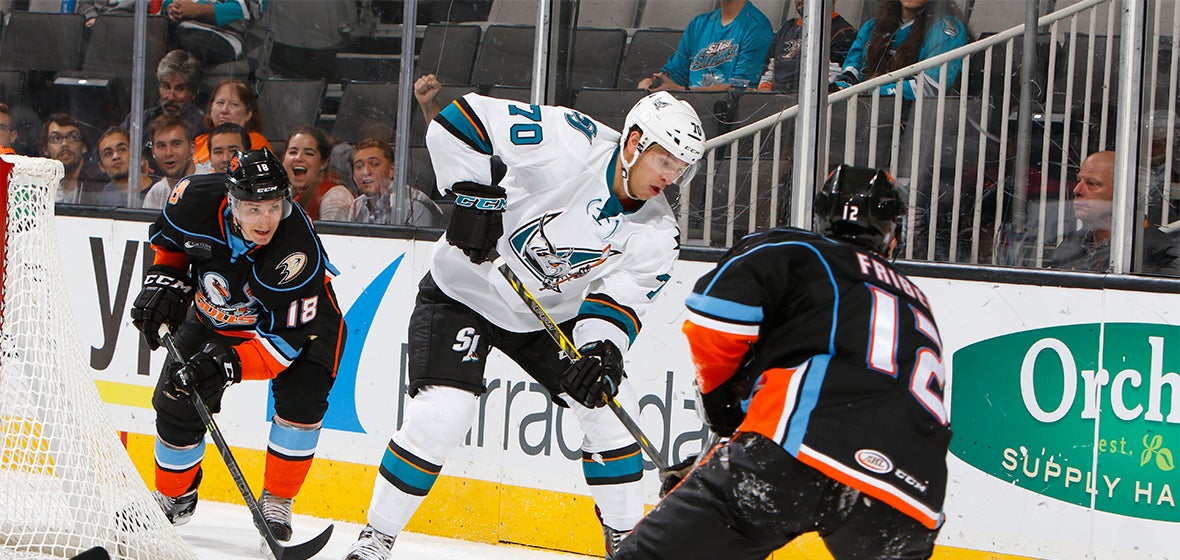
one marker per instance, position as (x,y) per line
(275,296)
(844,358)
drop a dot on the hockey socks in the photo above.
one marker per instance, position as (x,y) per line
(176,467)
(436,421)
(615,483)
(288,456)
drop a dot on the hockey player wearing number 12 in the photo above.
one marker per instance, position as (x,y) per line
(264,309)
(825,361)
(578,212)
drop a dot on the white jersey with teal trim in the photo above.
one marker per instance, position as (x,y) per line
(566,234)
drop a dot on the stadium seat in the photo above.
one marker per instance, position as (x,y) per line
(513,12)
(367,109)
(448,52)
(607,14)
(647,53)
(596,56)
(672,14)
(42,41)
(608,106)
(287,103)
(506,56)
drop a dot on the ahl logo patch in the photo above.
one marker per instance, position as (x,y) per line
(874,461)
(291,266)
(554,265)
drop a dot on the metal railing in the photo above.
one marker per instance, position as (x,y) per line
(953,150)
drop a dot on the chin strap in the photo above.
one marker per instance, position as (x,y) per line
(627,169)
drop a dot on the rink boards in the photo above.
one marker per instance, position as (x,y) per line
(1059,451)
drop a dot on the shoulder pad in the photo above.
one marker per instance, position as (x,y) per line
(292,259)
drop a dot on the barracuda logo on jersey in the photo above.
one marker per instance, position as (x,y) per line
(213,301)
(554,265)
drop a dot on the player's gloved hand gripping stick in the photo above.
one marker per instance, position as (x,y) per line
(184,379)
(563,341)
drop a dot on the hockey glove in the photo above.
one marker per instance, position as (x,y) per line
(477,221)
(164,300)
(208,372)
(596,377)
(722,407)
(672,476)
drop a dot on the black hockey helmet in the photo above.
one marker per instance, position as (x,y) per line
(257,175)
(860,205)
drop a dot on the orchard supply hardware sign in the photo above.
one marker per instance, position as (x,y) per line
(1041,410)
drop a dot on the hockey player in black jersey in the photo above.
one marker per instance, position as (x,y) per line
(243,282)
(823,362)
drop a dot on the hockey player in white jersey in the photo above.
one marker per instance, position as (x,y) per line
(578,212)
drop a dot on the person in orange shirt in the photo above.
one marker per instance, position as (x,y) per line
(231,101)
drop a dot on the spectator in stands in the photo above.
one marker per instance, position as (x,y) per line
(8,132)
(372,169)
(719,50)
(224,141)
(62,139)
(114,157)
(172,147)
(306,162)
(1163,175)
(782,68)
(91,9)
(179,74)
(214,30)
(1088,248)
(231,101)
(903,33)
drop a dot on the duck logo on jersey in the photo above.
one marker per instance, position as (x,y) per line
(213,301)
(291,266)
(554,265)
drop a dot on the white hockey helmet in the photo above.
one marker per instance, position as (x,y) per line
(669,122)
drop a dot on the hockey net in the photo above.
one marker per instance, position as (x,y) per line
(66,481)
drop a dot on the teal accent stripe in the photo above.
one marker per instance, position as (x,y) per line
(614,316)
(452,118)
(612,468)
(406,473)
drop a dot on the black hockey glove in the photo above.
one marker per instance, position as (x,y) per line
(598,373)
(477,221)
(722,407)
(672,476)
(164,300)
(209,371)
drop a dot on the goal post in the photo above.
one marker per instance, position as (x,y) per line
(66,482)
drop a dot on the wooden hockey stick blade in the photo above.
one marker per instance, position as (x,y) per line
(571,351)
(278,550)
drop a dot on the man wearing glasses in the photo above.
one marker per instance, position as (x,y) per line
(62,140)
(7,130)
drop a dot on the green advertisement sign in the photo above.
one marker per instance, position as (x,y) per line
(1041,410)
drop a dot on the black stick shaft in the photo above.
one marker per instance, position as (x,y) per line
(280,552)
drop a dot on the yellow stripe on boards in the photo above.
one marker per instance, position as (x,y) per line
(458,508)
(126,394)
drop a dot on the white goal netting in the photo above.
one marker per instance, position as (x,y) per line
(66,482)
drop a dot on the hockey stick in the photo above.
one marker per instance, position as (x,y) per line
(570,350)
(280,552)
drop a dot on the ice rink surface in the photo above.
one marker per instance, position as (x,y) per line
(220,531)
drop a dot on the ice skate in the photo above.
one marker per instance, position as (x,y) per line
(370,545)
(613,538)
(277,512)
(181,508)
